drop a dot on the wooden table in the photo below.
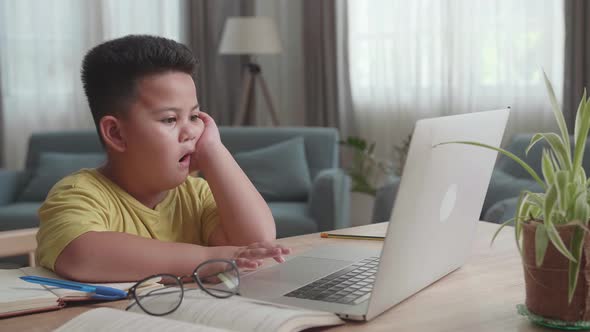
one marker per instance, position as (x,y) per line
(481,296)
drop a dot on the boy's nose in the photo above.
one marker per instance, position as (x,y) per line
(188,133)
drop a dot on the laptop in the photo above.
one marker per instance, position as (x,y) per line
(429,236)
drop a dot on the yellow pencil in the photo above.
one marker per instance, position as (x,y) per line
(351,237)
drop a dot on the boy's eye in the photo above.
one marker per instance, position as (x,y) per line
(169,120)
(194,117)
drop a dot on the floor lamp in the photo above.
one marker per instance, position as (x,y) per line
(251,36)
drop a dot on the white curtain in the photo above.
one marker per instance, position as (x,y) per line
(42,44)
(426,58)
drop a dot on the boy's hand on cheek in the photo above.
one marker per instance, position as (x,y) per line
(207,143)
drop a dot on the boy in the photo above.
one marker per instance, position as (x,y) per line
(140,213)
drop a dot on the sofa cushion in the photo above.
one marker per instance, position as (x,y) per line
(504,185)
(53,166)
(279,172)
(292,219)
(321,144)
(18,216)
(501,211)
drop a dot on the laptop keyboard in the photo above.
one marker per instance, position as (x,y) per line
(351,285)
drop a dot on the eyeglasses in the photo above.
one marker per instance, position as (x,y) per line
(219,278)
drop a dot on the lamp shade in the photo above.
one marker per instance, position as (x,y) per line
(250,35)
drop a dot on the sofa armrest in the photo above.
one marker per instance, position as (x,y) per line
(329,199)
(10,183)
(384,199)
(501,211)
(504,186)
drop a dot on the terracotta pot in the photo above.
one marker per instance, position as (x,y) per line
(547,285)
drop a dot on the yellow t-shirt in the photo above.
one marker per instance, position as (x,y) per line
(88,201)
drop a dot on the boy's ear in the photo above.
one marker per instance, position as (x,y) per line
(112,133)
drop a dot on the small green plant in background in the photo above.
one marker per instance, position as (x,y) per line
(365,170)
(566,196)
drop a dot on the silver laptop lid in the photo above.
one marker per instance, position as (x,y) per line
(438,204)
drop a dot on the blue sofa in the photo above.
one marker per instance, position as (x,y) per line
(316,200)
(508,180)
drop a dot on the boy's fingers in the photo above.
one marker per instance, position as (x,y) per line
(247,263)
(279,259)
(259,253)
(204,115)
(257,245)
(270,246)
(207,119)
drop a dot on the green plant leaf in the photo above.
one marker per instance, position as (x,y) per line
(561,184)
(579,115)
(356,143)
(574,266)
(547,168)
(507,154)
(559,148)
(541,243)
(522,198)
(558,114)
(574,190)
(581,176)
(581,208)
(554,160)
(558,242)
(582,126)
(550,200)
(534,140)
(533,206)
(581,225)
(499,229)
(538,199)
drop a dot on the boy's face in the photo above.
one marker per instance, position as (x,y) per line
(161,129)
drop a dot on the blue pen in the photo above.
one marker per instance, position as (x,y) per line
(100,292)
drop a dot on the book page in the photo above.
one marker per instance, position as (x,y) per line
(12,288)
(241,314)
(17,294)
(107,320)
(68,294)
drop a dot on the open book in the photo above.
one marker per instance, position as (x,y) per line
(19,297)
(202,312)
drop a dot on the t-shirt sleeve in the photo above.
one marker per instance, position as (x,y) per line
(68,212)
(208,214)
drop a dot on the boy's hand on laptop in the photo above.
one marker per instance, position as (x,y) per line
(207,143)
(253,255)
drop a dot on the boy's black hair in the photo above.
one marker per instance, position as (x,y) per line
(111,70)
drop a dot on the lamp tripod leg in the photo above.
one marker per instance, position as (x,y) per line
(271,109)
(240,118)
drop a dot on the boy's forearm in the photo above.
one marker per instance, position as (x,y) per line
(244,215)
(116,257)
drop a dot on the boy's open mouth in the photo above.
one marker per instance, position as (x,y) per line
(184,158)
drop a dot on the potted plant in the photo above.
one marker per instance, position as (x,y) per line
(551,226)
(366,172)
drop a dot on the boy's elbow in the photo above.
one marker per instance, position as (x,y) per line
(71,262)
(268,234)
(271,234)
